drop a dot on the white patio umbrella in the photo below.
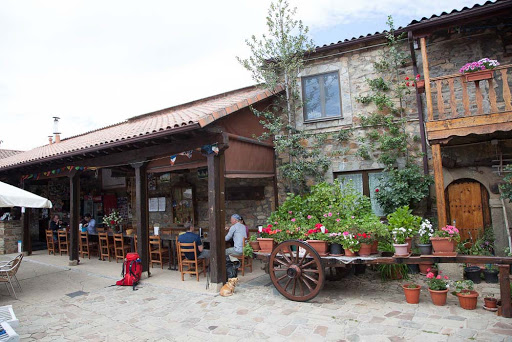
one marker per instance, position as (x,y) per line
(11,196)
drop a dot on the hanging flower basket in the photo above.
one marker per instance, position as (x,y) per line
(420,85)
(479,75)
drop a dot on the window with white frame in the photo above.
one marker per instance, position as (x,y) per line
(321,96)
(366,182)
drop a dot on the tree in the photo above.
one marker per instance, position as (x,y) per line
(275,61)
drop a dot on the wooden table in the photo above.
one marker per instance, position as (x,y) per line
(306,269)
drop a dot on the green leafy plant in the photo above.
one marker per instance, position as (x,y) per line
(506,187)
(437,283)
(403,223)
(247,250)
(393,271)
(463,286)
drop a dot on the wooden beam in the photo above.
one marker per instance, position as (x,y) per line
(141,211)
(27,241)
(74,200)
(506,308)
(439,184)
(426,74)
(217,217)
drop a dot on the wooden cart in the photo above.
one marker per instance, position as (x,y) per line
(297,270)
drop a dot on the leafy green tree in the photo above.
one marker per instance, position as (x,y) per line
(506,187)
(275,61)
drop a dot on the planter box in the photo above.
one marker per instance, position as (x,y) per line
(443,246)
(420,85)
(266,245)
(319,245)
(479,75)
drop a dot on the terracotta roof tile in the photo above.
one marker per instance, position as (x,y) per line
(201,112)
(7,153)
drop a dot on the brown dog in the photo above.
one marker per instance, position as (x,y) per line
(229,288)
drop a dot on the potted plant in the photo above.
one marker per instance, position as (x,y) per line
(417,82)
(253,241)
(473,273)
(480,70)
(490,302)
(266,239)
(366,241)
(113,220)
(350,244)
(403,218)
(425,233)
(491,273)
(445,240)
(247,250)
(467,296)
(438,288)
(317,238)
(335,239)
(412,293)
(399,242)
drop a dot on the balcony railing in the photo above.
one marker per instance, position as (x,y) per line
(453,97)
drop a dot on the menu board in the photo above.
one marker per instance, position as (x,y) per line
(122,207)
(157,204)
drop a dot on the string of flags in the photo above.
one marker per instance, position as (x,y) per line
(205,150)
(36,176)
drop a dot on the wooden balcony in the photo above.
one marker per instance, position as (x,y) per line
(460,107)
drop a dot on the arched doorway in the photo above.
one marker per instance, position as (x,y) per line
(467,203)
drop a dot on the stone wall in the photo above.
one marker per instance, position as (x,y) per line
(10,233)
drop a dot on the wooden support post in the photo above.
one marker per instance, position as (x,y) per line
(506,308)
(217,217)
(74,200)
(141,210)
(426,74)
(27,241)
(439,184)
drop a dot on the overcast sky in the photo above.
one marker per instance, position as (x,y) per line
(99,62)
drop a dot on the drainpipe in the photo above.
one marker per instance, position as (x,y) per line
(421,116)
(507,228)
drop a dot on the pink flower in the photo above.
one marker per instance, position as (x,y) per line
(338,220)
(376,190)
(330,214)
(325,215)
(438,277)
(293,220)
(353,217)
(309,217)
(290,212)
(345,233)
(430,275)
(428,269)
(446,277)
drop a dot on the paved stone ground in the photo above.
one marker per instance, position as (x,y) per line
(358,308)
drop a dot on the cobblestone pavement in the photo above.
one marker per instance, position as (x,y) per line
(357,308)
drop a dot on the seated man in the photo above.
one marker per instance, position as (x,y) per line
(55,225)
(190,237)
(90,224)
(237,232)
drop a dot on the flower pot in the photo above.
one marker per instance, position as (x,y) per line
(349,253)
(319,245)
(401,249)
(420,85)
(438,297)
(479,75)
(490,302)
(443,246)
(409,244)
(335,249)
(425,266)
(473,273)
(255,245)
(491,276)
(365,250)
(266,245)
(375,247)
(425,249)
(412,295)
(468,300)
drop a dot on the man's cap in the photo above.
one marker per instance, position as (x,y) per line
(236,217)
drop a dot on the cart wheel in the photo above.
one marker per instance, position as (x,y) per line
(296,270)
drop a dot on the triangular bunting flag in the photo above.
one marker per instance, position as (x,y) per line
(173,160)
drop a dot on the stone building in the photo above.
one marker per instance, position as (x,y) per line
(463,127)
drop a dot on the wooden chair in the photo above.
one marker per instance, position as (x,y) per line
(62,238)
(189,266)
(86,246)
(50,242)
(156,251)
(246,262)
(106,249)
(120,249)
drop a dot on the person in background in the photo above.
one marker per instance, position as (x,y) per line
(190,237)
(55,225)
(246,227)
(236,232)
(90,224)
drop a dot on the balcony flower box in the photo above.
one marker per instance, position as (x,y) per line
(479,75)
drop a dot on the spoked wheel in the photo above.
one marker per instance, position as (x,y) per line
(296,270)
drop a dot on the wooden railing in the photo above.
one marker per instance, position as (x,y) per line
(453,97)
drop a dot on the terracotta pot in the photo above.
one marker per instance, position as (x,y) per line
(365,250)
(468,300)
(438,297)
(266,245)
(412,295)
(420,85)
(255,245)
(375,247)
(490,302)
(425,267)
(443,245)
(479,75)
(319,245)
(401,249)
(349,253)
(409,244)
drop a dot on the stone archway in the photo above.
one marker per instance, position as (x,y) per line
(467,203)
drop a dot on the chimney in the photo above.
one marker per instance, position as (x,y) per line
(56,129)
(50,139)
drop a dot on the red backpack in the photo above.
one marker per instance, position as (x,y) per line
(132,271)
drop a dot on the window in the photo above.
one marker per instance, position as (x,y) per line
(321,96)
(366,182)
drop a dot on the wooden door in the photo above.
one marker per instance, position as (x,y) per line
(468,204)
